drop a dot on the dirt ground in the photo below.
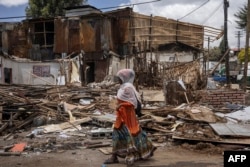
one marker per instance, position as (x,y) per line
(168,154)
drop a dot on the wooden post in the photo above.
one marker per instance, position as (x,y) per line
(1,114)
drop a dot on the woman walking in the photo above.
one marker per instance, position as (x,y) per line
(129,141)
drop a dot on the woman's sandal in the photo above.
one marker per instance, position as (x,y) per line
(111,160)
(153,150)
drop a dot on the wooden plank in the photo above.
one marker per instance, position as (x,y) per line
(225,141)
(99,145)
(160,130)
(5,125)
(10,153)
(142,165)
(106,151)
(1,114)
(58,127)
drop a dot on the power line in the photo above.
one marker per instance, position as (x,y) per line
(14,17)
(212,13)
(141,3)
(194,10)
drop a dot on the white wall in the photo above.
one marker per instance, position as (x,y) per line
(116,64)
(22,72)
(128,62)
(170,57)
(212,64)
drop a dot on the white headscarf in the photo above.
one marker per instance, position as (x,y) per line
(127,91)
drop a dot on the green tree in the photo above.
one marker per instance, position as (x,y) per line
(215,54)
(241,55)
(222,46)
(241,16)
(49,8)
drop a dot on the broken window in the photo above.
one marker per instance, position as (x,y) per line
(44,34)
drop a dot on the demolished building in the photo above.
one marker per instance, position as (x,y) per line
(103,43)
(87,47)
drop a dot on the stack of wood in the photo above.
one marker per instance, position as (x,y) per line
(23,106)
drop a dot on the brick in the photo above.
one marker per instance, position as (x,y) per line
(208,98)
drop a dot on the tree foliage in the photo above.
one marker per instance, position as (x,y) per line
(49,8)
(241,16)
(222,46)
(241,55)
(215,54)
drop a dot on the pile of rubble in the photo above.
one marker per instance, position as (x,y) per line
(44,118)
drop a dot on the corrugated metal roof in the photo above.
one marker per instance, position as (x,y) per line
(231,129)
(81,11)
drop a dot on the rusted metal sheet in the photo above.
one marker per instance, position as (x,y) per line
(107,42)
(19,39)
(100,70)
(7,28)
(14,39)
(120,26)
(5,41)
(61,36)
(236,130)
(88,34)
(74,36)
(96,34)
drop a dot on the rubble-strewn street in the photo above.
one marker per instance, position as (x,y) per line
(71,125)
(60,98)
(166,156)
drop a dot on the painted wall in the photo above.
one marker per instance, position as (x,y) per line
(22,72)
(171,57)
(116,63)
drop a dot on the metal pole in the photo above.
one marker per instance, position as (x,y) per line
(246,47)
(226,5)
(207,57)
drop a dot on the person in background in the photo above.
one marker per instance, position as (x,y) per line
(129,141)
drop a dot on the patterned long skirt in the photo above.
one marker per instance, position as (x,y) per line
(130,147)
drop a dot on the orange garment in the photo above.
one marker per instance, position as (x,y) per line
(18,147)
(126,114)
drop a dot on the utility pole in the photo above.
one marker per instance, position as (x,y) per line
(246,47)
(226,5)
(208,54)
(238,35)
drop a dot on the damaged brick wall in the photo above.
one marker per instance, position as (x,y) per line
(218,98)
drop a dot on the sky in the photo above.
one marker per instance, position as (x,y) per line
(203,12)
